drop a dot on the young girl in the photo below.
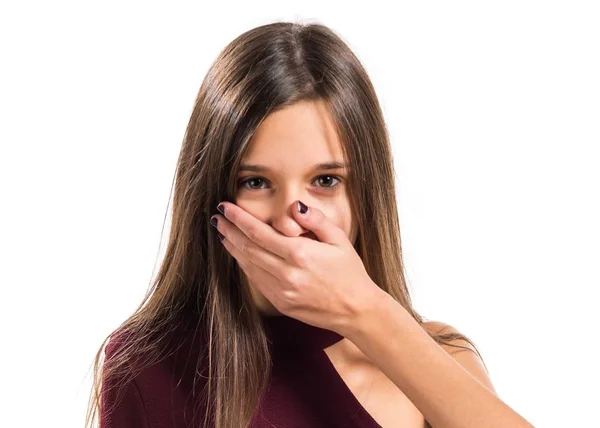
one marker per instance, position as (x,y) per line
(289,306)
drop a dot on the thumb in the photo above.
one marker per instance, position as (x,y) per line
(317,222)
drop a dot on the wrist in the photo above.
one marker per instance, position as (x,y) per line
(366,313)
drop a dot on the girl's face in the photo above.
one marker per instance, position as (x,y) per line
(281,166)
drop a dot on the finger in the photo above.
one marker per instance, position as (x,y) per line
(316,221)
(251,252)
(258,232)
(265,281)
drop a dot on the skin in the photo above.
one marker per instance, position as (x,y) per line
(290,142)
(397,372)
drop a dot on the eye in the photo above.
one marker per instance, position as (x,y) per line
(242,183)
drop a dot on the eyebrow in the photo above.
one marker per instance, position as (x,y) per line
(318,167)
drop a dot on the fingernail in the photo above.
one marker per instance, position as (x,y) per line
(221,209)
(302,208)
(214,221)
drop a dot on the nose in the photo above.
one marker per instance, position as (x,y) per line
(284,222)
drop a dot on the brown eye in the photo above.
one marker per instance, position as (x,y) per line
(330,177)
(246,183)
(242,183)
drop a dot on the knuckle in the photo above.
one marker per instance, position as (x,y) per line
(287,299)
(254,235)
(300,256)
(290,276)
(246,250)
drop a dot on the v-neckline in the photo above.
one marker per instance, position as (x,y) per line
(292,336)
(362,413)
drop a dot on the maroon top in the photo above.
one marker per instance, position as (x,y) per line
(305,390)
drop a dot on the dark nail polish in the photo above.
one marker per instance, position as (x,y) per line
(221,209)
(302,208)
(214,221)
(221,236)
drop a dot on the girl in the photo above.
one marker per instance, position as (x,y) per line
(286,307)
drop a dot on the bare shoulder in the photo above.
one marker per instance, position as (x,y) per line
(467,358)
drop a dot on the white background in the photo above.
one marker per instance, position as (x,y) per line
(493,109)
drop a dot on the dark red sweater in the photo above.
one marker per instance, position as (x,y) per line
(305,389)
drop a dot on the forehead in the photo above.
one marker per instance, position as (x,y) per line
(303,133)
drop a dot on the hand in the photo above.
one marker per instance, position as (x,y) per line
(323,284)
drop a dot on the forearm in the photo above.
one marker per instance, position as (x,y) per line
(447,395)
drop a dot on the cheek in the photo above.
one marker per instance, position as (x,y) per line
(342,217)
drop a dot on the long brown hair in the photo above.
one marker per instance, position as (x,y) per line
(261,71)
